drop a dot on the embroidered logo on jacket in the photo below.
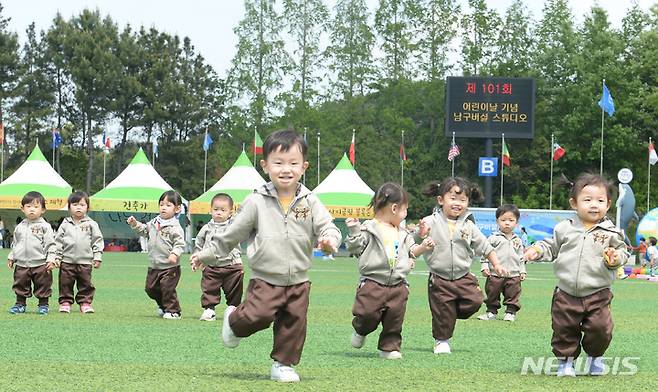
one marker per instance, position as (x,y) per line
(464,233)
(301,213)
(600,238)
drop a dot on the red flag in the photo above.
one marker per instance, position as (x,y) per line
(2,133)
(352,152)
(257,146)
(653,158)
(558,151)
(403,155)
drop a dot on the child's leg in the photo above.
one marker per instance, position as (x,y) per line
(290,325)
(443,306)
(493,288)
(390,339)
(469,294)
(66,282)
(368,304)
(86,289)
(566,315)
(43,283)
(232,284)
(211,282)
(168,282)
(22,284)
(512,294)
(258,310)
(152,286)
(597,323)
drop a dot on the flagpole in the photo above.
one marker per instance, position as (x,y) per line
(205,160)
(502,169)
(602,122)
(402,164)
(2,164)
(354,140)
(550,188)
(648,177)
(104,154)
(53,145)
(318,183)
(304,176)
(254,147)
(452,162)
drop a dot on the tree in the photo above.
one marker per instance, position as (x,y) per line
(394,22)
(515,43)
(9,65)
(480,33)
(436,30)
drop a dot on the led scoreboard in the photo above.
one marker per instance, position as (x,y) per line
(488,107)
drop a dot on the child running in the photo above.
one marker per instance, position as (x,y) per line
(386,256)
(165,244)
(586,251)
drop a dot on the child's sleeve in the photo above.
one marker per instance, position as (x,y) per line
(59,241)
(356,240)
(10,256)
(484,263)
(617,242)
(323,222)
(479,242)
(200,239)
(549,247)
(244,222)
(179,241)
(141,229)
(49,245)
(97,243)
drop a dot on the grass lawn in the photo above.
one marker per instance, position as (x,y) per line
(124,346)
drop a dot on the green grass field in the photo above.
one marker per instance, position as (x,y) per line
(124,346)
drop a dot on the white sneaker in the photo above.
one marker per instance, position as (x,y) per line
(487,316)
(283,373)
(390,354)
(208,315)
(509,317)
(171,316)
(228,337)
(596,366)
(442,347)
(160,312)
(566,369)
(358,340)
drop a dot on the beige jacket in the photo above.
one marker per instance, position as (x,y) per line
(510,254)
(280,245)
(577,255)
(365,241)
(203,241)
(80,243)
(169,239)
(33,244)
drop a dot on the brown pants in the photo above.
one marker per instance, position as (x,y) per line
(451,300)
(509,287)
(25,277)
(581,320)
(161,287)
(377,303)
(286,306)
(72,274)
(227,278)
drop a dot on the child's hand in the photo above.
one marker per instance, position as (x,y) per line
(486,273)
(423,229)
(522,276)
(51,266)
(500,270)
(131,221)
(327,245)
(195,263)
(351,222)
(530,254)
(97,263)
(10,263)
(427,244)
(610,256)
(173,259)
(412,263)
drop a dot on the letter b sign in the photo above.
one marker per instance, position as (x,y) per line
(488,167)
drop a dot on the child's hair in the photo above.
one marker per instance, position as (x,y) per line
(76,196)
(470,190)
(642,239)
(33,196)
(172,197)
(584,180)
(284,139)
(389,193)
(508,208)
(653,241)
(223,196)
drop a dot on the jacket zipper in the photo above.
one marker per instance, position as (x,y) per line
(580,257)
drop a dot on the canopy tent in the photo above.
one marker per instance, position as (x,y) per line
(238,182)
(136,189)
(35,174)
(344,193)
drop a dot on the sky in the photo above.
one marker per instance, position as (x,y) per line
(210,23)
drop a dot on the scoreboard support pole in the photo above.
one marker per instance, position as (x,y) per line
(488,181)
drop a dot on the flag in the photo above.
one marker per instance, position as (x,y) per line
(2,133)
(653,158)
(403,155)
(558,151)
(506,157)
(155,147)
(453,152)
(106,143)
(257,146)
(352,152)
(57,139)
(207,141)
(606,103)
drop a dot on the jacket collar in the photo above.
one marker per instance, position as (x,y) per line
(215,225)
(270,190)
(500,233)
(604,223)
(460,220)
(71,221)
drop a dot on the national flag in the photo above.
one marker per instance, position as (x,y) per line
(653,157)
(2,133)
(558,151)
(155,147)
(106,143)
(352,150)
(257,146)
(57,139)
(506,157)
(207,141)
(606,103)
(403,155)
(453,152)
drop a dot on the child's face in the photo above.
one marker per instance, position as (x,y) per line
(220,210)
(285,168)
(168,209)
(591,204)
(507,222)
(398,213)
(33,210)
(453,203)
(78,210)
